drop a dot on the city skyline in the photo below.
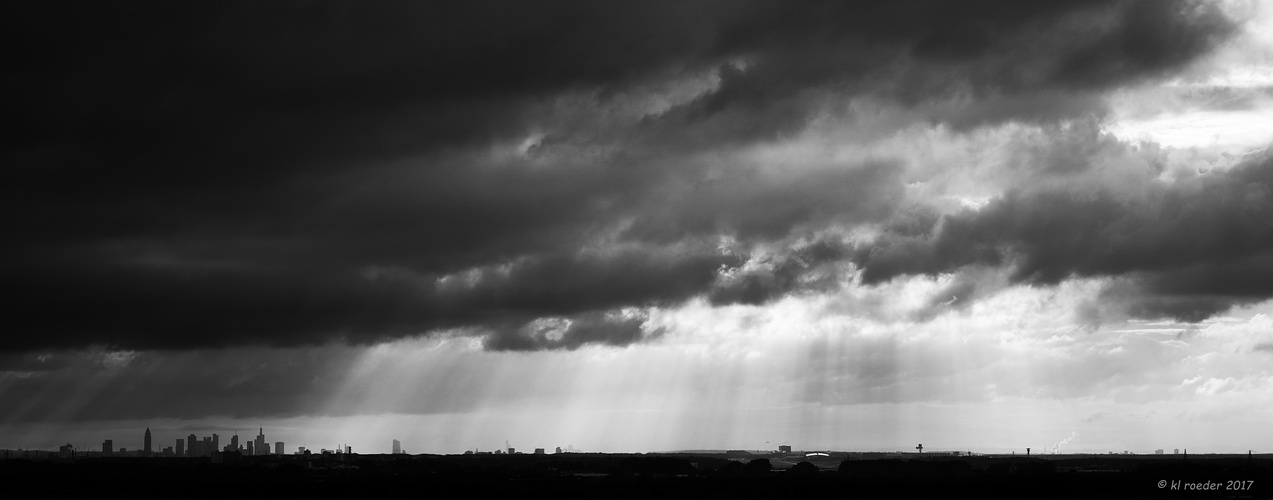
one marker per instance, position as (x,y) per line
(639,226)
(205,446)
(195,446)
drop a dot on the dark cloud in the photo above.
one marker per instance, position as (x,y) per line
(994,61)
(96,383)
(612,328)
(211,174)
(1151,38)
(179,307)
(807,268)
(756,205)
(1042,107)
(1186,249)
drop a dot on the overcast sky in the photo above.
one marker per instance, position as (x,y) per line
(640,226)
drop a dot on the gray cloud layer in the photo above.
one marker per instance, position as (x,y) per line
(212,174)
(1185,249)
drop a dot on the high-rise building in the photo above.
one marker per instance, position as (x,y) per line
(146,449)
(192,446)
(216,444)
(278,447)
(262,448)
(539,451)
(234,442)
(512,450)
(558,449)
(784,448)
(397,447)
(251,448)
(205,447)
(181,447)
(108,448)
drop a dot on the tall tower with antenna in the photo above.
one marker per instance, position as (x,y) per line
(259,444)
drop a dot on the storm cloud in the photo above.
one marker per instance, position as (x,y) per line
(1184,249)
(223,174)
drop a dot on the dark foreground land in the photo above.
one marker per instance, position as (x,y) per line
(698,476)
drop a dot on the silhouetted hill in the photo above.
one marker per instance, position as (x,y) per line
(638,476)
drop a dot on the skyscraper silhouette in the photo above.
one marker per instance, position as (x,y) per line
(262,448)
(146,449)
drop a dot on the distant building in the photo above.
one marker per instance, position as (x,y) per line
(1158,451)
(234,442)
(226,457)
(146,448)
(785,448)
(539,451)
(1175,451)
(558,450)
(251,451)
(108,448)
(262,448)
(192,446)
(181,448)
(205,447)
(278,447)
(397,447)
(512,451)
(66,451)
(216,444)
(349,449)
